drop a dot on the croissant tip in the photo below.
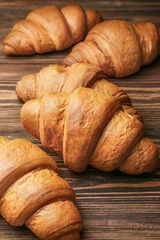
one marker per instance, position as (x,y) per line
(18,91)
(16,43)
(8,50)
(25,89)
(30,117)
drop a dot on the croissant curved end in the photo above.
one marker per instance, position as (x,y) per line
(143,159)
(9,50)
(93,18)
(3,140)
(26,88)
(18,91)
(17,44)
(30,117)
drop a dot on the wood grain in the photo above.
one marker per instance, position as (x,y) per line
(114,205)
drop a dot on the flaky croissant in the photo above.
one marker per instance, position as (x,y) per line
(88,127)
(56,78)
(49,28)
(32,192)
(118,47)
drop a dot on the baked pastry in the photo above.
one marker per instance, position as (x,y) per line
(118,47)
(88,127)
(32,192)
(49,28)
(56,78)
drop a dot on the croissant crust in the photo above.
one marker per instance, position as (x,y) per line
(118,47)
(88,127)
(32,192)
(49,28)
(56,78)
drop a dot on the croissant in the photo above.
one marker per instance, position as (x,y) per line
(88,127)
(49,28)
(32,192)
(118,47)
(56,78)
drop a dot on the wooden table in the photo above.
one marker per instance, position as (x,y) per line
(114,205)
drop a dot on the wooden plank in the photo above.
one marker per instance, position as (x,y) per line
(113,205)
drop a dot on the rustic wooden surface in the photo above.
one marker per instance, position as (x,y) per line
(113,206)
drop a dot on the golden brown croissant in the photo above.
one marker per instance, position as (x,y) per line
(88,127)
(32,192)
(49,28)
(118,47)
(56,78)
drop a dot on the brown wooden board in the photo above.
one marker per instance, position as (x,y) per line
(113,205)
